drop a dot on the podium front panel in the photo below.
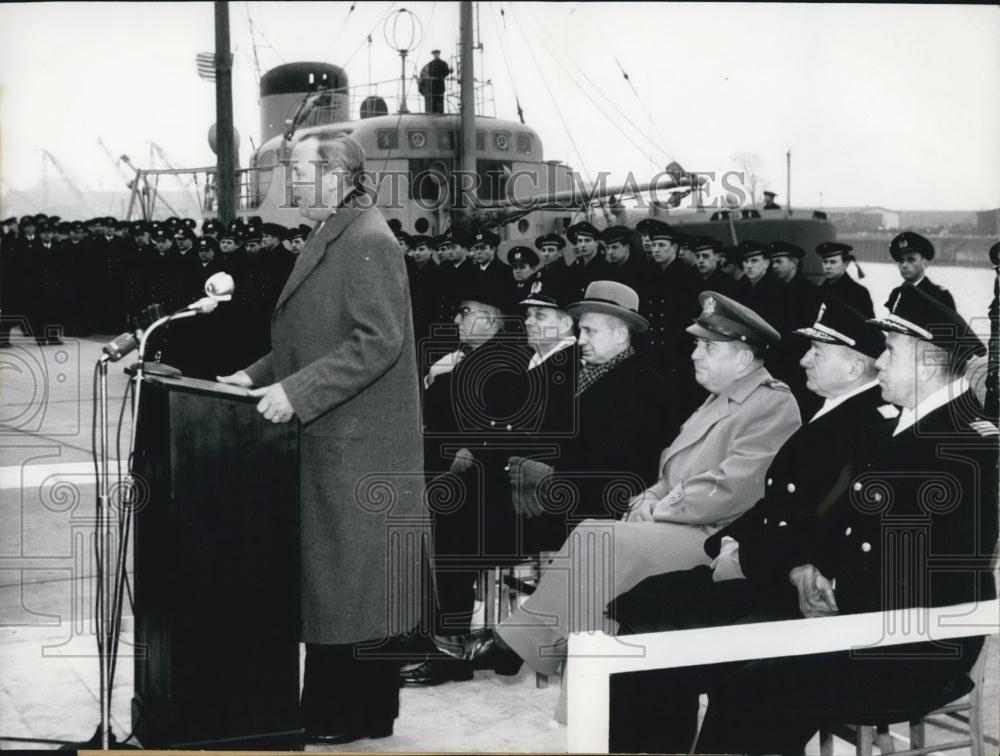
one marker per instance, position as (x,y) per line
(216,572)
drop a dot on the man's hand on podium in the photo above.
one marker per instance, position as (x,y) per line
(274,404)
(239,378)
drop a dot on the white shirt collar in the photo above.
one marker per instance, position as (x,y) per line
(829,404)
(926,406)
(537,359)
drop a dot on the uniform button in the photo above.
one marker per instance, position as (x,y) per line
(877,497)
(848,531)
(765,521)
(510,427)
(857,486)
(493,422)
(770,481)
(791,488)
(866,547)
(782,524)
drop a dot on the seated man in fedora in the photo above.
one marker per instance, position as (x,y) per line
(712,472)
(599,447)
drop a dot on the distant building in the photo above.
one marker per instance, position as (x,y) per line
(861,219)
(988,222)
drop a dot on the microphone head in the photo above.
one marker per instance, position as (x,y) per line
(220,287)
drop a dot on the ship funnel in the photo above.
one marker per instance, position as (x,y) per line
(283,88)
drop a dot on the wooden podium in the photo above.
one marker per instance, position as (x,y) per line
(216,571)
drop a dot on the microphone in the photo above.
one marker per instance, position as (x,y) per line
(128,342)
(219,287)
(119,346)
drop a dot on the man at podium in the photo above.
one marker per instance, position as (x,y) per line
(343,364)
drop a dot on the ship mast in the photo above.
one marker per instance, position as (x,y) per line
(225,142)
(467,127)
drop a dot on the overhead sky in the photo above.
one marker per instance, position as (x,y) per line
(897,106)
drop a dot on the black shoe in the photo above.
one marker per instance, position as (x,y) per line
(486,651)
(349,736)
(436,672)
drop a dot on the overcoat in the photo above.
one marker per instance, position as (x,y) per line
(342,336)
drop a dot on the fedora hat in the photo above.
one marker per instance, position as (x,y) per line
(611,298)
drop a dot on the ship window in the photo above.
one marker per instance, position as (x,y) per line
(501,140)
(493,176)
(418,139)
(427,177)
(480,141)
(421,225)
(524,143)
(388,139)
(446,139)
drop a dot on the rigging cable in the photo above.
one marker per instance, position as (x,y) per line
(503,48)
(598,106)
(552,97)
(649,115)
(253,43)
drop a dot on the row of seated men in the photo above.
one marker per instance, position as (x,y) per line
(76,278)
(747,509)
(667,268)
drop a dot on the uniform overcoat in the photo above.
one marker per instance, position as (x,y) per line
(342,335)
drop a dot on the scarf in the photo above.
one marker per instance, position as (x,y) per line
(591,374)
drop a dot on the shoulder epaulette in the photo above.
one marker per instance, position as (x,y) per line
(776,384)
(888,411)
(984,428)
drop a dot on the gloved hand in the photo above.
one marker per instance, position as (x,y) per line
(528,478)
(462,462)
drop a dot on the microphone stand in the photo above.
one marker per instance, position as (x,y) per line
(109,609)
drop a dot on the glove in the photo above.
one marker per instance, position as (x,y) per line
(528,478)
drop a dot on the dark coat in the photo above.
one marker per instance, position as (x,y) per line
(582,274)
(850,292)
(625,420)
(344,354)
(931,289)
(807,477)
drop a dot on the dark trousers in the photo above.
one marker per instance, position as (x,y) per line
(351,687)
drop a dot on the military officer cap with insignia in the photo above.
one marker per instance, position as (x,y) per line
(487,290)
(138,227)
(611,298)
(839,323)
(829,249)
(252,233)
(459,236)
(77,226)
(208,242)
(909,241)
(184,232)
(552,240)
(273,229)
(749,248)
(582,229)
(784,249)
(547,293)
(440,241)
(914,313)
(229,233)
(654,228)
(299,232)
(162,234)
(190,223)
(522,256)
(724,319)
(483,235)
(699,243)
(63,227)
(211,226)
(419,241)
(616,234)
